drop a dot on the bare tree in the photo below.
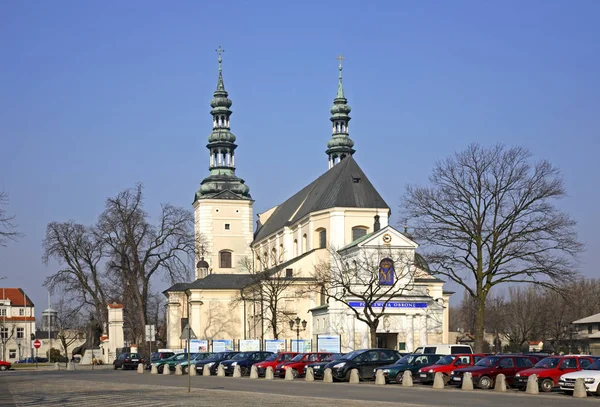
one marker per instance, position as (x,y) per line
(139,251)
(370,276)
(523,315)
(267,290)
(70,324)
(8,229)
(81,254)
(488,218)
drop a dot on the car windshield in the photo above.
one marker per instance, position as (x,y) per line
(594,366)
(272,357)
(352,355)
(488,362)
(333,356)
(548,363)
(298,358)
(446,360)
(180,356)
(242,356)
(405,360)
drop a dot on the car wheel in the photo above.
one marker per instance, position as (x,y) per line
(184,370)
(547,385)
(446,378)
(347,375)
(160,369)
(399,377)
(244,371)
(484,382)
(115,366)
(598,390)
(3,368)
(295,374)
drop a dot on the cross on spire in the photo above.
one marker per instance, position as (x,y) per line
(220,51)
(341,59)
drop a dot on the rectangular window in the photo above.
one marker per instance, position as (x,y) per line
(289,273)
(3,312)
(589,329)
(402,346)
(21,311)
(227,226)
(225,260)
(12,353)
(357,233)
(4,333)
(323,239)
(20,333)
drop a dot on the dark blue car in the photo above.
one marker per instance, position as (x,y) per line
(244,360)
(213,362)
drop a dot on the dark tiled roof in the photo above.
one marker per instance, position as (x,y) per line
(335,188)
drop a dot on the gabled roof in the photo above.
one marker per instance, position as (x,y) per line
(16,297)
(592,319)
(345,185)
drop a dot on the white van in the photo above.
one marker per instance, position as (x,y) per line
(444,349)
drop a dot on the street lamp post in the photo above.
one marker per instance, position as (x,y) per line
(295,324)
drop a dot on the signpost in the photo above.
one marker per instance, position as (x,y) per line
(150,336)
(188,333)
(36,344)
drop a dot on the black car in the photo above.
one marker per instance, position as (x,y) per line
(319,367)
(244,360)
(365,360)
(213,362)
(156,356)
(127,361)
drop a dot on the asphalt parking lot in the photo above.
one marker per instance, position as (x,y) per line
(109,387)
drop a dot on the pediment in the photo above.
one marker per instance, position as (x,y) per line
(227,194)
(389,237)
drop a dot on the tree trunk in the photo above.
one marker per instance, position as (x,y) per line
(479,323)
(373,333)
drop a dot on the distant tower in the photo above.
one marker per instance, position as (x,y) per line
(340,145)
(49,317)
(222,204)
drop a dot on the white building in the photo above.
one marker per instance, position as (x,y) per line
(17,324)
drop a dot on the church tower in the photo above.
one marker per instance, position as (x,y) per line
(222,204)
(340,145)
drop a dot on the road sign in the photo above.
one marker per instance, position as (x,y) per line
(150,332)
(187,333)
(37,344)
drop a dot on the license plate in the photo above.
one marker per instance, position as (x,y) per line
(135,360)
(423,375)
(456,379)
(569,385)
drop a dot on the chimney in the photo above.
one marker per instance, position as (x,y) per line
(376,225)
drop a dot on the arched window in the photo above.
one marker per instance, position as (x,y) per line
(281,253)
(225,259)
(304,243)
(274,256)
(295,247)
(322,235)
(358,232)
(266,260)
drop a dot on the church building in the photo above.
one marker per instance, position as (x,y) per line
(337,215)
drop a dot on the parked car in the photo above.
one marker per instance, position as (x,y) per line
(213,362)
(127,361)
(414,362)
(590,375)
(273,361)
(319,367)
(446,365)
(4,365)
(156,356)
(193,360)
(365,360)
(549,370)
(485,371)
(171,362)
(444,349)
(244,360)
(299,362)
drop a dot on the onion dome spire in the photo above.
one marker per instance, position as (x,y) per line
(340,145)
(221,145)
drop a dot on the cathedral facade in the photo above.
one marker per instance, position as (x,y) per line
(251,283)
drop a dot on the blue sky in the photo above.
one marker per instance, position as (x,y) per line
(98,96)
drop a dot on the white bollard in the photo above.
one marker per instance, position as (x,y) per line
(310,376)
(438,380)
(407,380)
(192,370)
(153,369)
(269,373)
(205,371)
(166,370)
(500,383)
(379,378)
(467,383)
(56,366)
(327,376)
(237,372)
(253,372)
(289,374)
(220,371)
(532,385)
(178,371)
(579,389)
(71,366)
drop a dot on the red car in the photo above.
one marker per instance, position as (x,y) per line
(485,371)
(273,361)
(298,364)
(549,370)
(4,365)
(447,364)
